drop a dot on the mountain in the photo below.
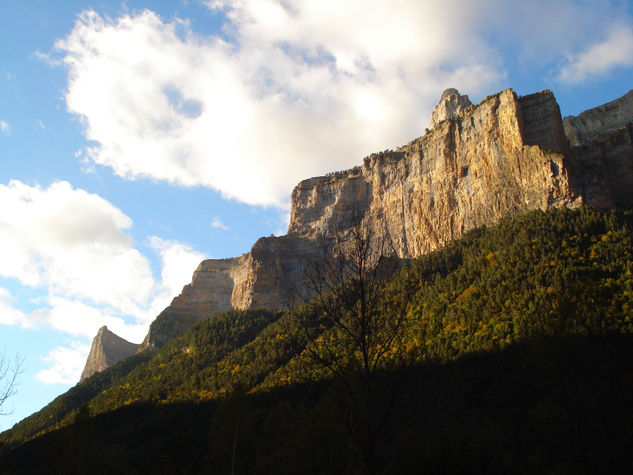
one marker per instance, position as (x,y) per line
(107,349)
(502,157)
(451,105)
(513,302)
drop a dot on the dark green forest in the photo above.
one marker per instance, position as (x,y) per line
(507,351)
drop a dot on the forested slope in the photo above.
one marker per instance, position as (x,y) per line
(513,356)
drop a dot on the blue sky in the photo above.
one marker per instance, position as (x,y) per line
(139,137)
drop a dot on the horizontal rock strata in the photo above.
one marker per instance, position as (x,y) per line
(468,171)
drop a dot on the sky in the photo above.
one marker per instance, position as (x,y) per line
(140,137)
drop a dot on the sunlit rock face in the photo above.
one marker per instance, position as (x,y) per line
(503,157)
(477,164)
(107,348)
(451,105)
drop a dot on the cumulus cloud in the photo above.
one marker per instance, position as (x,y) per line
(600,58)
(4,127)
(295,91)
(66,364)
(80,318)
(74,245)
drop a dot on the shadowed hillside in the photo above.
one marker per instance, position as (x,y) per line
(514,358)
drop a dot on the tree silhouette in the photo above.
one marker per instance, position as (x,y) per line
(10,369)
(349,336)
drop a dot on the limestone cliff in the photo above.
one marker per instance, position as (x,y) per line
(211,290)
(504,156)
(107,348)
(265,277)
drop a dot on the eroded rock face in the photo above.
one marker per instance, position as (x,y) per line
(107,348)
(599,120)
(265,277)
(451,105)
(505,156)
(468,171)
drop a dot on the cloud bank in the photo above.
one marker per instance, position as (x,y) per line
(73,246)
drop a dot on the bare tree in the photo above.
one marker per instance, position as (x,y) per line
(10,369)
(349,336)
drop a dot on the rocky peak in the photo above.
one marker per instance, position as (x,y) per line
(107,348)
(451,104)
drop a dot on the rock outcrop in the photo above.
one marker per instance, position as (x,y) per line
(451,105)
(107,348)
(504,156)
(265,277)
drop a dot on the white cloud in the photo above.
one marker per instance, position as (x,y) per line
(66,364)
(83,319)
(4,127)
(217,223)
(295,94)
(74,245)
(600,58)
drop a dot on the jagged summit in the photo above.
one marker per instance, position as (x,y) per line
(451,104)
(107,348)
